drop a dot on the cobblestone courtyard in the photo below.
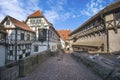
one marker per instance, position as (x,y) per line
(61,67)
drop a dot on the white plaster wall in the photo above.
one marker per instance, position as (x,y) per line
(53,46)
(2,55)
(62,43)
(41,47)
(109,17)
(114,41)
(7,26)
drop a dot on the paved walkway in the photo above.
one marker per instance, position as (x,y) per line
(61,67)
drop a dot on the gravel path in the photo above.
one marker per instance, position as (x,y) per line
(61,67)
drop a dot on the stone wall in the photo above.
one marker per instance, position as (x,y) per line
(19,69)
(30,63)
(11,73)
(102,67)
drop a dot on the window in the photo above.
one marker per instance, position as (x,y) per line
(42,35)
(11,52)
(35,48)
(8,22)
(27,54)
(13,47)
(32,21)
(23,51)
(28,36)
(38,21)
(117,15)
(19,47)
(20,57)
(22,36)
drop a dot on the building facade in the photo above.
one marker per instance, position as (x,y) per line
(46,36)
(18,39)
(100,33)
(2,45)
(64,34)
(21,39)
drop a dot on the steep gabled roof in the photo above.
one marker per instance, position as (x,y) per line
(64,34)
(37,13)
(18,23)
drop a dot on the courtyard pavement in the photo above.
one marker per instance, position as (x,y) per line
(61,67)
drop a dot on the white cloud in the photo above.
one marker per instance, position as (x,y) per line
(58,12)
(51,15)
(17,8)
(94,6)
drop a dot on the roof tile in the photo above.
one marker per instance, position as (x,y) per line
(38,13)
(64,34)
(20,24)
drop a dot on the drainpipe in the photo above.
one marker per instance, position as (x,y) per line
(106,31)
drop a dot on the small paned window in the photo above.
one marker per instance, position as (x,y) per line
(28,36)
(38,21)
(33,21)
(22,36)
(42,35)
(11,52)
(8,22)
(35,48)
(23,51)
(30,21)
(20,57)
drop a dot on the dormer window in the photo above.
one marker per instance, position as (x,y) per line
(8,22)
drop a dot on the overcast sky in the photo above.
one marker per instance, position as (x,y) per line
(64,14)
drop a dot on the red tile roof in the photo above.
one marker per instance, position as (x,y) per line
(18,23)
(38,13)
(64,34)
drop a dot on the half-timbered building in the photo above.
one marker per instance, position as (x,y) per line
(18,39)
(2,45)
(101,33)
(64,34)
(46,36)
